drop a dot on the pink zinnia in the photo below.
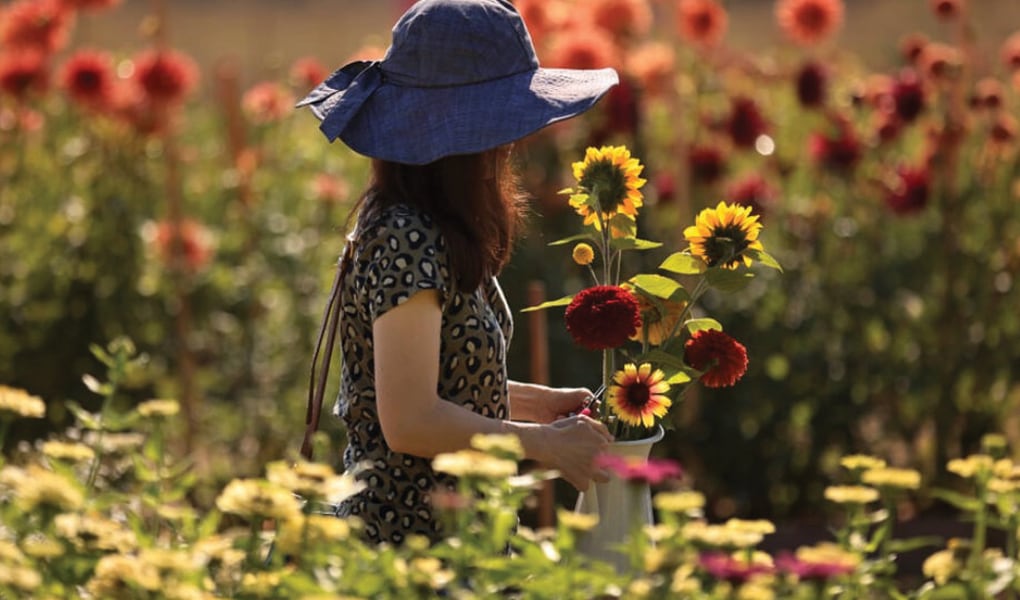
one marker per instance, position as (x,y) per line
(724,567)
(267,102)
(652,471)
(189,238)
(812,571)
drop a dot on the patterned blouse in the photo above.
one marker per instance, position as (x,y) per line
(399,253)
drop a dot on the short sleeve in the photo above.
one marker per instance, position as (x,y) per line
(403,255)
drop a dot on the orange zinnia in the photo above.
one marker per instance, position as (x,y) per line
(808,22)
(701,22)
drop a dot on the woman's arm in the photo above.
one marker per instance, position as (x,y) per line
(543,404)
(415,420)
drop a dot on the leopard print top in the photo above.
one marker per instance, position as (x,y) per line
(399,253)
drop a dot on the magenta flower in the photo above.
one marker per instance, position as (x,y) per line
(652,471)
(724,567)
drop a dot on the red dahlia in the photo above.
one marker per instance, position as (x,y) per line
(746,122)
(603,317)
(812,85)
(88,78)
(707,164)
(41,25)
(721,359)
(166,77)
(839,149)
(908,95)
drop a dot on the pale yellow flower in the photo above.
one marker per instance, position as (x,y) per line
(1006,469)
(35,486)
(252,498)
(95,532)
(755,591)
(169,560)
(720,536)
(971,466)
(577,521)
(583,254)
(114,572)
(861,462)
(684,581)
(1003,486)
(159,408)
(20,577)
(429,571)
(828,553)
(313,480)
(10,553)
(761,526)
(311,530)
(20,403)
(115,443)
(941,566)
(39,546)
(851,494)
(262,584)
(680,502)
(499,445)
(472,463)
(888,477)
(69,451)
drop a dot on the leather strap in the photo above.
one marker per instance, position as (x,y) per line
(320,373)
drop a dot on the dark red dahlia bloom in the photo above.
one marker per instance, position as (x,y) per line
(40,25)
(811,571)
(910,193)
(88,78)
(755,191)
(23,73)
(746,122)
(166,77)
(908,95)
(839,150)
(707,164)
(652,471)
(665,187)
(812,85)
(721,359)
(725,567)
(603,317)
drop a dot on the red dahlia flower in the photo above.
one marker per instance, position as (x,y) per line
(23,73)
(908,95)
(88,78)
(41,25)
(722,359)
(910,193)
(839,150)
(166,77)
(746,122)
(603,317)
(812,85)
(707,164)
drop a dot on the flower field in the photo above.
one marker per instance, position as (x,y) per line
(169,226)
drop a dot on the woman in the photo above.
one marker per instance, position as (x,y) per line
(423,324)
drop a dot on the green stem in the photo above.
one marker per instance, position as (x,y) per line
(980,526)
(94,469)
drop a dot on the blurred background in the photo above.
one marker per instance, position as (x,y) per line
(156,184)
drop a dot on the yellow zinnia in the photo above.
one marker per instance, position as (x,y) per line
(722,235)
(637,396)
(613,177)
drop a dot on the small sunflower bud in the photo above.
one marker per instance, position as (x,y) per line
(583,254)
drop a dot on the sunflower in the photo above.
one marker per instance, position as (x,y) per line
(723,234)
(659,317)
(638,395)
(615,174)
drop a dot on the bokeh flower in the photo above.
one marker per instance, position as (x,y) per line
(975,465)
(702,22)
(652,471)
(90,5)
(166,77)
(159,407)
(623,19)
(69,451)
(910,190)
(18,402)
(603,317)
(707,163)
(1010,52)
(582,49)
(851,494)
(252,499)
(820,562)
(39,25)
(908,95)
(23,73)
(947,10)
(267,102)
(93,532)
(812,84)
(35,488)
(474,463)
(116,572)
(681,502)
(941,566)
(192,242)
(734,568)
(755,192)
(653,67)
(576,520)
(307,72)
(638,394)
(330,188)
(746,122)
(892,478)
(88,79)
(988,94)
(721,236)
(940,62)
(861,462)
(808,22)
(721,359)
(609,184)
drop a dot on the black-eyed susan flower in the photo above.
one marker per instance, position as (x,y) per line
(583,254)
(722,359)
(609,184)
(638,394)
(721,236)
(603,317)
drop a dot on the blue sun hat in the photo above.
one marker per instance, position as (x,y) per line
(460,76)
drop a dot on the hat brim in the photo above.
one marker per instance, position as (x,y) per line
(416,125)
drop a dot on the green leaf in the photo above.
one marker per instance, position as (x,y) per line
(957,499)
(633,243)
(664,359)
(678,378)
(549,304)
(95,386)
(658,286)
(85,418)
(702,324)
(581,237)
(764,258)
(915,543)
(625,224)
(727,280)
(566,191)
(683,264)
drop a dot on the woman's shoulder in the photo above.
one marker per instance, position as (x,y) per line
(402,227)
(400,217)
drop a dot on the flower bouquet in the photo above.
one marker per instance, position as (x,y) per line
(649,320)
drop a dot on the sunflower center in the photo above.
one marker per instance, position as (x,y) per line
(725,245)
(638,396)
(610,181)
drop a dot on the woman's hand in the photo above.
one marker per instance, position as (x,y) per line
(573,444)
(541,404)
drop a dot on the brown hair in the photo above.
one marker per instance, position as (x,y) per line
(475,200)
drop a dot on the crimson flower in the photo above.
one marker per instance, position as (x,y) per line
(307,72)
(707,164)
(165,77)
(722,359)
(652,471)
(840,149)
(189,237)
(755,191)
(41,25)
(1010,52)
(724,567)
(947,10)
(23,73)
(908,95)
(603,317)
(88,78)
(746,122)
(810,570)
(910,193)
(812,85)
(622,113)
